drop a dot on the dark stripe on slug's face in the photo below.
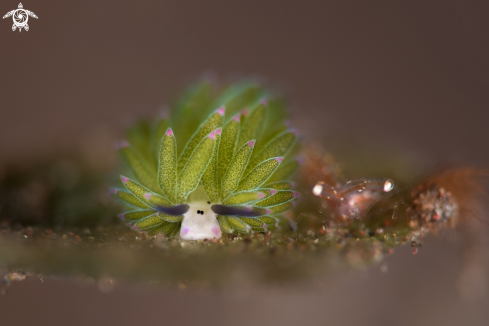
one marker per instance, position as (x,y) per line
(237,210)
(174,210)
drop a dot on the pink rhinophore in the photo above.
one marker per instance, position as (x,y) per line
(212,135)
(169,132)
(124,179)
(236,117)
(295,194)
(215,230)
(269,211)
(273,191)
(185,230)
(147,195)
(261,195)
(221,110)
(218,131)
(251,143)
(279,159)
(264,101)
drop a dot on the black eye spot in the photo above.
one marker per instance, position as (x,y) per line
(209,202)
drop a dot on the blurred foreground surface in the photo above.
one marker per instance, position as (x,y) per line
(420,289)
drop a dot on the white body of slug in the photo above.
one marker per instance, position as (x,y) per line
(200,223)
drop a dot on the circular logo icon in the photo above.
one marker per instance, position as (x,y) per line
(20,17)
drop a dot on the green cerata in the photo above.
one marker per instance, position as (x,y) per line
(222,161)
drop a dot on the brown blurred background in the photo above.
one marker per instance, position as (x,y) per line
(407,75)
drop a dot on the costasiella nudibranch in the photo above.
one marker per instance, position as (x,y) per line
(221,162)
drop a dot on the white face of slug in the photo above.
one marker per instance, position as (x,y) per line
(198,226)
